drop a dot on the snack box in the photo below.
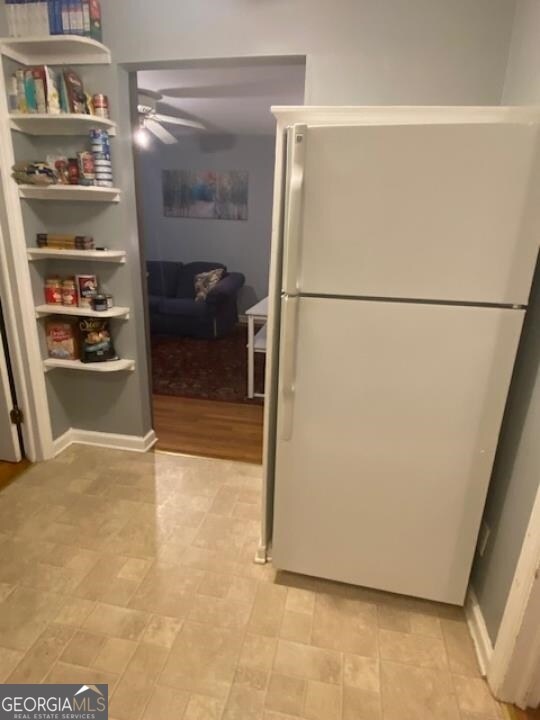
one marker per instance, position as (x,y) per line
(62,338)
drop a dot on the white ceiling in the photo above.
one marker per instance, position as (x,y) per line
(227,98)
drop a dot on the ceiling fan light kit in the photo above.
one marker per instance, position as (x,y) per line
(141,137)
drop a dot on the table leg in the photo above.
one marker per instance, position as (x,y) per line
(251,357)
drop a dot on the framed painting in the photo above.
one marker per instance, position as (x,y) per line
(208,194)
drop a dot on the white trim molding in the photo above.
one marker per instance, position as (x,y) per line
(133,443)
(261,555)
(479,632)
(516,655)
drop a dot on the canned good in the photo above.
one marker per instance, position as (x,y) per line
(86,166)
(104,183)
(110,301)
(101,105)
(99,303)
(69,292)
(98,136)
(53,290)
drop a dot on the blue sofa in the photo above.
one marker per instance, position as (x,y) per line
(173,308)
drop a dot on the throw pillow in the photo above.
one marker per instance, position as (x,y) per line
(204,282)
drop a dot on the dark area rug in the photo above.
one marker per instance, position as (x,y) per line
(209,369)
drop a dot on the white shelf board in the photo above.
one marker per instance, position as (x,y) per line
(108,366)
(111,256)
(55,50)
(62,124)
(115,312)
(76,193)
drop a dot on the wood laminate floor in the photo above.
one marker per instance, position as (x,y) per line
(528,715)
(232,431)
(10,470)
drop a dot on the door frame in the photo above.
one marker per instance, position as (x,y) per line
(18,304)
(513,673)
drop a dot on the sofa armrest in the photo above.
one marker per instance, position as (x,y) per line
(226,288)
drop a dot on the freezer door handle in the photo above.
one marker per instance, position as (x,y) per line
(288,364)
(296,148)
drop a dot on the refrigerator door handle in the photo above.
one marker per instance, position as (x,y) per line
(290,324)
(296,145)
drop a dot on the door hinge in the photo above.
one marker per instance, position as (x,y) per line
(16,416)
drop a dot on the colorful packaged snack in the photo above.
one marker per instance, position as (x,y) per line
(96,342)
(62,338)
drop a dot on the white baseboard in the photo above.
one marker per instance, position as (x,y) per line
(477,627)
(62,443)
(261,555)
(134,443)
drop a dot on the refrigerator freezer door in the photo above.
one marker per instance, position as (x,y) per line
(443,212)
(395,413)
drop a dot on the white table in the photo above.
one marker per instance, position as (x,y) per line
(256,342)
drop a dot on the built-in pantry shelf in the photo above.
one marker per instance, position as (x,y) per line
(55,50)
(75,193)
(109,366)
(61,124)
(110,256)
(114,312)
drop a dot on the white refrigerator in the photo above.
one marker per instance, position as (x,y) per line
(404,245)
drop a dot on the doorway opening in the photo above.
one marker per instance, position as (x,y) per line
(204,147)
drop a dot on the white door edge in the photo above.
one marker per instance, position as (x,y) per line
(516,656)
(19,314)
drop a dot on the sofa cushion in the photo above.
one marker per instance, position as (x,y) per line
(163,277)
(154,302)
(182,306)
(186,277)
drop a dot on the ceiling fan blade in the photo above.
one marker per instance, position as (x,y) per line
(164,135)
(227,90)
(171,120)
(150,93)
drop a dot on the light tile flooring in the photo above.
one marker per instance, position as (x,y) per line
(136,570)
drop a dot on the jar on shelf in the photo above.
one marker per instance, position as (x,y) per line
(100,103)
(69,292)
(53,290)
(73,171)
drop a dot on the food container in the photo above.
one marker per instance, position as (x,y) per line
(69,292)
(101,105)
(96,342)
(53,290)
(99,303)
(73,171)
(110,301)
(62,338)
(62,173)
(87,172)
(86,289)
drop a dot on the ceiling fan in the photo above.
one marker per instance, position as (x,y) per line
(153,121)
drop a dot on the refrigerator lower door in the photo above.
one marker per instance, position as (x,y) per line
(388,418)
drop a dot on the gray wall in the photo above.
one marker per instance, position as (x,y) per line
(358,52)
(516,476)
(244,246)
